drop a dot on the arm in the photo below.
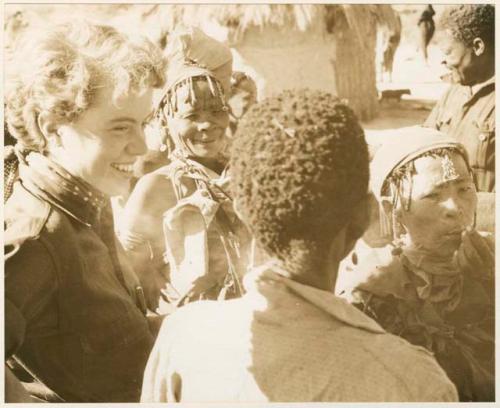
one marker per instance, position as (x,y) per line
(141,232)
(30,285)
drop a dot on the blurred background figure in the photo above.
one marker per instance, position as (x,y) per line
(243,96)
(391,40)
(427,27)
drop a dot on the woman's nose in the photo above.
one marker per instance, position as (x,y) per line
(203,125)
(451,207)
(137,146)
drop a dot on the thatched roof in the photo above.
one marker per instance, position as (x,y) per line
(159,19)
(238,18)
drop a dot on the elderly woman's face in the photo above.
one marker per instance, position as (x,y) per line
(102,145)
(443,203)
(200,125)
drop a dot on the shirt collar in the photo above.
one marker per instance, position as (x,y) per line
(475,89)
(324,300)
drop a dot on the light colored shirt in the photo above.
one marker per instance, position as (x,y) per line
(283,342)
(468,114)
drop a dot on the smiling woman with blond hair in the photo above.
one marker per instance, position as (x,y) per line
(74,317)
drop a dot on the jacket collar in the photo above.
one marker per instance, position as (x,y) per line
(53,184)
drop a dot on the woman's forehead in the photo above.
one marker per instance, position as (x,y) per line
(204,95)
(444,168)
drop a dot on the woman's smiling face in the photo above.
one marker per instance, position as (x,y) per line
(200,124)
(102,145)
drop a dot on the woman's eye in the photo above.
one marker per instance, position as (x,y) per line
(189,116)
(120,129)
(465,189)
(431,196)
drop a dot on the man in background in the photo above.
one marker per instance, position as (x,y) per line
(467,109)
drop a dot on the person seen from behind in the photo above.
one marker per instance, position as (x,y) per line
(300,183)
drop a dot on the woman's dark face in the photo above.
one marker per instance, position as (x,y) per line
(201,124)
(441,206)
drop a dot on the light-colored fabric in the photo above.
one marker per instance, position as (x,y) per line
(468,115)
(284,341)
(192,53)
(402,147)
(199,252)
(186,236)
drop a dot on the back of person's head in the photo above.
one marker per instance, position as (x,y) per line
(299,167)
(466,22)
(59,69)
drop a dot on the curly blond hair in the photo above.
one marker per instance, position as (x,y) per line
(59,70)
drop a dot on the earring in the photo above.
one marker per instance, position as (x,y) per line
(55,141)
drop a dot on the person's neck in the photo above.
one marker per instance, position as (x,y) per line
(485,75)
(316,268)
(430,254)
(213,164)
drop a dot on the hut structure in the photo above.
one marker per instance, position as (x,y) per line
(282,46)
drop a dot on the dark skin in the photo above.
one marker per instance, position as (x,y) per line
(468,65)
(201,126)
(321,270)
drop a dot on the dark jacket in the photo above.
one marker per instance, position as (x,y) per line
(71,318)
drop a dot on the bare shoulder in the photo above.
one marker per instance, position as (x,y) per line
(154,191)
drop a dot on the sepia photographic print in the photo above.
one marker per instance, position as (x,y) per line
(249,203)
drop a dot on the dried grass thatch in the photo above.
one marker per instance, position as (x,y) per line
(238,18)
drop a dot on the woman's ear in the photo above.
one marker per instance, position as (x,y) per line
(48,128)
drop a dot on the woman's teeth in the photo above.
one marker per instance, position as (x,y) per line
(124,168)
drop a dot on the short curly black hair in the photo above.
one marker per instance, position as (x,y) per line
(299,165)
(469,21)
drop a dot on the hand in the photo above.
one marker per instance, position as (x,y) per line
(476,254)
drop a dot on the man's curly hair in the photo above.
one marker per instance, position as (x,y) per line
(60,69)
(469,21)
(299,166)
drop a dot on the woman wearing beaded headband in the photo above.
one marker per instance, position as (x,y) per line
(178,224)
(75,316)
(434,286)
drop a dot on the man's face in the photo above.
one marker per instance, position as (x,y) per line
(442,205)
(102,145)
(460,60)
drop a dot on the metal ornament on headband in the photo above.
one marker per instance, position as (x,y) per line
(449,170)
